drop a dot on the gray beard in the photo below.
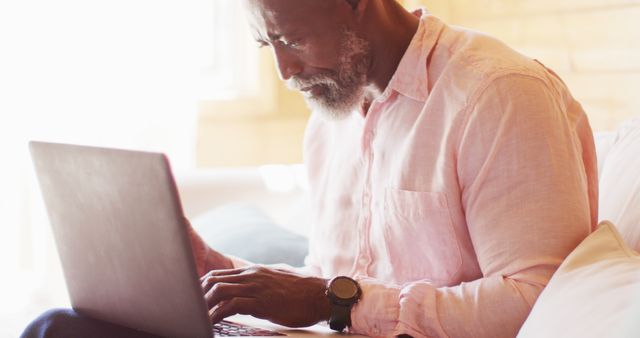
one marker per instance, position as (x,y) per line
(342,91)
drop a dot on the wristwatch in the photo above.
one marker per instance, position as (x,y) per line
(343,292)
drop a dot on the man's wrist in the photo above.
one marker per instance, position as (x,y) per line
(343,292)
(323,306)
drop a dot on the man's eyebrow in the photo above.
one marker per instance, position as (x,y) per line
(270,37)
(274,37)
(285,32)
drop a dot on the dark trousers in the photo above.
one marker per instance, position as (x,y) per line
(66,323)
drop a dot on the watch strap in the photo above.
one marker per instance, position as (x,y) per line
(340,316)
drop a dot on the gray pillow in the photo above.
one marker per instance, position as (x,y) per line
(245,231)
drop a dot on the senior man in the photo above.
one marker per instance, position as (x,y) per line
(449,175)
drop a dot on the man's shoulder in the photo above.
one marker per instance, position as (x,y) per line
(473,60)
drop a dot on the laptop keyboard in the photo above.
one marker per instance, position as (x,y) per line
(231,329)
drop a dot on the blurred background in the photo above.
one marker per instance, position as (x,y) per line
(185,78)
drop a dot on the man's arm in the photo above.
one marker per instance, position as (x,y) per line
(526,198)
(206,258)
(280,293)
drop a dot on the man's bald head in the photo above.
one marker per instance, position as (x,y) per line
(313,5)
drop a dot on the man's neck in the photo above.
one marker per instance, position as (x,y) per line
(391,30)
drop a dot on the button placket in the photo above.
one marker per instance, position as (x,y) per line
(364,260)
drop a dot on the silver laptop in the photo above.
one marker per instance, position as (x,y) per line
(123,243)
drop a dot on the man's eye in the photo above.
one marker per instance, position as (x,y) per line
(295,43)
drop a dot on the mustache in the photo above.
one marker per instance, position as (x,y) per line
(296,83)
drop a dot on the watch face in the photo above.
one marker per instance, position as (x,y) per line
(344,288)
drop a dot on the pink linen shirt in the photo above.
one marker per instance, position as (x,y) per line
(456,196)
(459,192)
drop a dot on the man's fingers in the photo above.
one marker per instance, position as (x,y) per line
(223,272)
(221,292)
(208,278)
(245,306)
(232,279)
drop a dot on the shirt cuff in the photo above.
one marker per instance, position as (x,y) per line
(376,314)
(419,311)
(391,310)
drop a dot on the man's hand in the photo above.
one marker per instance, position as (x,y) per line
(279,296)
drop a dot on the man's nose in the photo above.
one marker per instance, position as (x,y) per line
(288,64)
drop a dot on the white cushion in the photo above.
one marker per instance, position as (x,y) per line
(594,293)
(619,176)
(243,230)
(604,141)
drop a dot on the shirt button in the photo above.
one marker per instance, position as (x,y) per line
(376,331)
(362,261)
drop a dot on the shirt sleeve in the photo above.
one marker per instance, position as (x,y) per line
(525,192)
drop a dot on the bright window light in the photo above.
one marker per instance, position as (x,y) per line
(118,73)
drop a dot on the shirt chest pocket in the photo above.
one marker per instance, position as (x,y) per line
(421,242)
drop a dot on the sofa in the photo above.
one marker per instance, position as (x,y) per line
(259,214)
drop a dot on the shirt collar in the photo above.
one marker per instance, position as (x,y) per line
(411,77)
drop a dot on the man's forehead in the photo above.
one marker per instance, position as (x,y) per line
(276,16)
(283,6)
